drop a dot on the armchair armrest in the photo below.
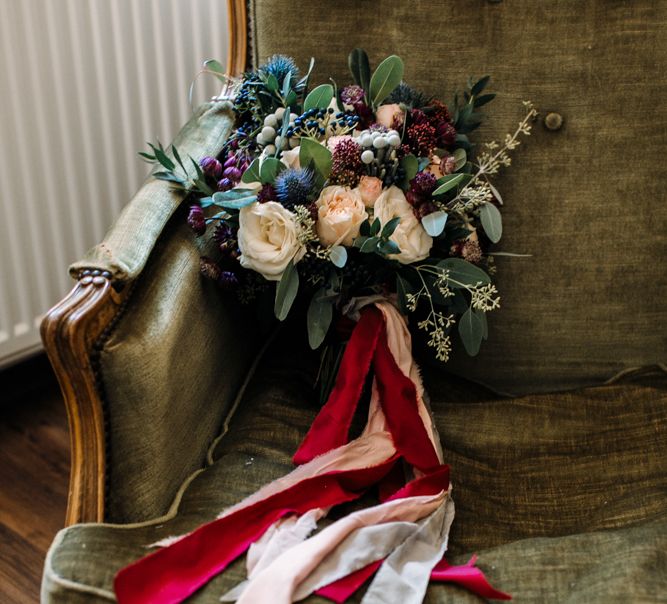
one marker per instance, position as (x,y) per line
(77,333)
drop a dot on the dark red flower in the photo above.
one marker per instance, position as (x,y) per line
(197,220)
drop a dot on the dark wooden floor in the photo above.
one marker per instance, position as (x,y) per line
(34,472)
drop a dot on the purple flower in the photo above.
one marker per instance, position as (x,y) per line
(197,220)
(211,167)
(352,94)
(233,173)
(228,280)
(225,184)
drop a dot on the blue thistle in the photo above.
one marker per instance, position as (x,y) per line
(295,186)
(403,93)
(280,66)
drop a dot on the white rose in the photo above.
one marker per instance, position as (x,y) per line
(340,212)
(414,242)
(268,239)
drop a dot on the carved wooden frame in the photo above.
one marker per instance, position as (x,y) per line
(74,330)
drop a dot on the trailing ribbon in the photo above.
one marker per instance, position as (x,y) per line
(401,540)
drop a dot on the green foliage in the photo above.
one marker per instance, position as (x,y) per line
(286,292)
(360,69)
(471,331)
(492,221)
(338,256)
(216,68)
(319,97)
(410,166)
(448,182)
(466,119)
(385,78)
(463,273)
(318,318)
(252,172)
(234,199)
(434,223)
(269,169)
(316,157)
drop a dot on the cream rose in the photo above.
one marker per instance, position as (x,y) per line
(370,188)
(268,239)
(386,113)
(414,242)
(340,212)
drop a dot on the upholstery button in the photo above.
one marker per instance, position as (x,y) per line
(553,121)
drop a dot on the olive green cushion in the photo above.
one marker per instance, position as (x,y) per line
(585,201)
(169,369)
(562,495)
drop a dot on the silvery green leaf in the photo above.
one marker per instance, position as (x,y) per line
(216,68)
(461,157)
(463,272)
(389,228)
(375,227)
(370,245)
(360,68)
(338,255)
(318,318)
(492,222)
(386,77)
(269,169)
(234,199)
(252,172)
(319,97)
(388,247)
(286,292)
(434,223)
(471,331)
(317,156)
(448,182)
(496,193)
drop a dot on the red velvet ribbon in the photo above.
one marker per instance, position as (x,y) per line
(398,397)
(173,573)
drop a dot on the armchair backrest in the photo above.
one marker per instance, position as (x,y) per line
(585,197)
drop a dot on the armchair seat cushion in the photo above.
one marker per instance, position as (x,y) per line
(561,495)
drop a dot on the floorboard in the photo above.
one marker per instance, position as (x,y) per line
(34,474)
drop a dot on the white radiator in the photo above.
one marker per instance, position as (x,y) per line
(83,85)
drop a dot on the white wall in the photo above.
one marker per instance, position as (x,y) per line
(83,85)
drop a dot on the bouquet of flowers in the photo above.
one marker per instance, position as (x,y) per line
(372,201)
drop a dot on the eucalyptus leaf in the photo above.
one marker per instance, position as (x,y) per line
(422,163)
(484,99)
(317,156)
(206,202)
(463,272)
(234,199)
(471,331)
(461,158)
(403,289)
(216,68)
(388,247)
(496,194)
(485,325)
(365,228)
(272,83)
(448,182)
(389,228)
(338,256)
(410,166)
(318,318)
(492,221)
(286,292)
(385,79)
(480,85)
(360,68)
(434,223)
(370,245)
(286,84)
(375,227)
(359,241)
(252,172)
(269,169)
(169,177)
(319,97)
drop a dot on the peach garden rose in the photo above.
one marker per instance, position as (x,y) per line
(340,212)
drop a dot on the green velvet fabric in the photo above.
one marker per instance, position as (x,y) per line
(170,369)
(585,201)
(126,247)
(563,496)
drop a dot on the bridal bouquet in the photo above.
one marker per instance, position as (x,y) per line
(371,201)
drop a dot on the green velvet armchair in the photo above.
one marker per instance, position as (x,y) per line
(180,403)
